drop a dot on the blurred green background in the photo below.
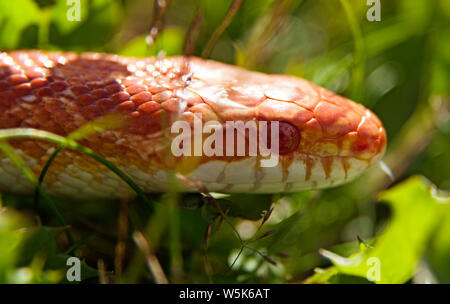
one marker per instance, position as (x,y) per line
(373,229)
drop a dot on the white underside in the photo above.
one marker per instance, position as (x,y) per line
(217,176)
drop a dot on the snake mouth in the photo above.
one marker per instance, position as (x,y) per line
(302,172)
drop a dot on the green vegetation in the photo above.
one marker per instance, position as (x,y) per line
(372,229)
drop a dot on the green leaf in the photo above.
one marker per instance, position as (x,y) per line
(59,16)
(38,240)
(15,16)
(42,242)
(321,276)
(98,22)
(416,212)
(10,238)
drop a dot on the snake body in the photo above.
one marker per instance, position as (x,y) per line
(325,139)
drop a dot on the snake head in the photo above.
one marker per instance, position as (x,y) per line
(324,139)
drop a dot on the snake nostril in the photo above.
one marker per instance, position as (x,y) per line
(289,138)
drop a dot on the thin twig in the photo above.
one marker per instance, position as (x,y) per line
(267,29)
(102,272)
(234,8)
(265,257)
(152,261)
(159,11)
(121,238)
(192,33)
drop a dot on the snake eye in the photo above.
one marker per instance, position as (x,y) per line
(289,138)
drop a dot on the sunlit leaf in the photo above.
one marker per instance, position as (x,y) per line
(393,258)
(15,16)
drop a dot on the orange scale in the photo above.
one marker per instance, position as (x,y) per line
(99,93)
(157,119)
(75,81)
(85,100)
(93,85)
(18,112)
(23,89)
(9,121)
(346,142)
(33,74)
(283,110)
(79,90)
(29,123)
(283,93)
(12,71)
(38,83)
(104,104)
(58,86)
(126,106)
(171,105)
(325,148)
(7,99)
(44,92)
(91,112)
(162,96)
(129,81)
(310,132)
(308,102)
(61,117)
(135,89)
(335,120)
(52,104)
(140,123)
(149,107)
(92,78)
(369,140)
(17,79)
(207,112)
(53,127)
(3,86)
(141,98)
(71,108)
(191,98)
(119,97)
(41,115)
(69,126)
(113,88)
(188,117)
